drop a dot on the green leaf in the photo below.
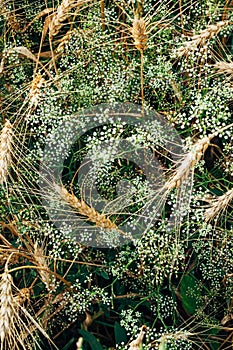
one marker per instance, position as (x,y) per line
(120,333)
(91,339)
(190,294)
(70,342)
(104,275)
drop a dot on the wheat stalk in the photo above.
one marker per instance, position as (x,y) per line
(200,39)
(6,139)
(218,205)
(139,33)
(85,210)
(6,308)
(39,258)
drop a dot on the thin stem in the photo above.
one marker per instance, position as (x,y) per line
(142,80)
(102,14)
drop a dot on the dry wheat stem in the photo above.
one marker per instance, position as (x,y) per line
(200,39)
(6,139)
(218,204)
(139,33)
(85,210)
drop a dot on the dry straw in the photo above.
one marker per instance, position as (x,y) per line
(85,210)
(6,139)
(218,205)
(200,39)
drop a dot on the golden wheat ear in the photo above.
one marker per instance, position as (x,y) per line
(217,205)
(40,261)
(7,307)
(223,67)
(62,14)
(200,39)
(6,139)
(188,163)
(191,158)
(139,33)
(83,209)
(35,87)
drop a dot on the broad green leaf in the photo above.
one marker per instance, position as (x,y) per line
(120,333)
(91,339)
(190,294)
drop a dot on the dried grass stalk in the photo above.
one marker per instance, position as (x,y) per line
(37,83)
(200,39)
(4,256)
(7,307)
(217,205)
(139,33)
(6,139)
(40,261)
(85,210)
